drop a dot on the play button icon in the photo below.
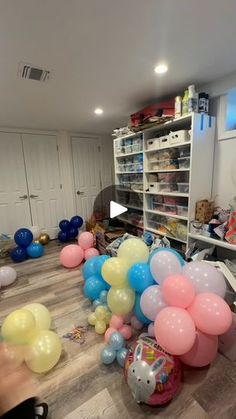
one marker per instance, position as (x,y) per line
(116,209)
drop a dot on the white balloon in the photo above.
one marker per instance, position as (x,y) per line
(7,275)
(164,263)
(36,231)
(205,278)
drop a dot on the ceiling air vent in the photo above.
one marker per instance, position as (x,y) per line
(31,72)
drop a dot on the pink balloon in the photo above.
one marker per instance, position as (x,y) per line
(151,330)
(71,256)
(108,333)
(152,301)
(135,323)
(211,314)
(203,351)
(86,240)
(90,253)
(178,291)
(175,330)
(126,331)
(116,321)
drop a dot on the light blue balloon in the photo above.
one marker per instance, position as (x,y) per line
(93,286)
(116,341)
(103,297)
(138,311)
(89,268)
(96,303)
(35,250)
(99,263)
(140,277)
(121,355)
(108,355)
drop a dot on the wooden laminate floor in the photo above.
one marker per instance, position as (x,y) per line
(80,386)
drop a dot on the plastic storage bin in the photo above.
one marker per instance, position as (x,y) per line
(178,137)
(168,164)
(183,187)
(182,210)
(184,162)
(164,141)
(168,209)
(153,143)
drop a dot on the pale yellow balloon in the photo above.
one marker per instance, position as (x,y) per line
(15,353)
(44,352)
(100,313)
(114,271)
(41,315)
(108,317)
(92,319)
(133,251)
(18,327)
(100,327)
(120,300)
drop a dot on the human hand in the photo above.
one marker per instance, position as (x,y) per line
(16,383)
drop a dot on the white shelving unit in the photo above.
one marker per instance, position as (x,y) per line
(198,175)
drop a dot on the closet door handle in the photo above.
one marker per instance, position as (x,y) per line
(33,196)
(80,193)
(23,196)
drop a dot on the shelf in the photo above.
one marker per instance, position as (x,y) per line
(215,242)
(129,190)
(164,234)
(177,194)
(169,146)
(128,173)
(166,171)
(128,154)
(179,217)
(124,220)
(132,207)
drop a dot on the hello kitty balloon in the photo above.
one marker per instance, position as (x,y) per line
(152,374)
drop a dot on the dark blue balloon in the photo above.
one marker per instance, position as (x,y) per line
(73,232)
(89,268)
(64,225)
(138,312)
(63,236)
(140,277)
(35,250)
(23,237)
(76,221)
(93,286)
(19,254)
(99,263)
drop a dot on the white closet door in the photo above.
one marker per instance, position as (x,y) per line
(87,173)
(14,202)
(43,176)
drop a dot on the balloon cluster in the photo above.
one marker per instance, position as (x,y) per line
(7,276)
(72,255)
(25,246)
(28,338)
(94,284)
(114,350)
(117,325)
(69,229)
(100,319)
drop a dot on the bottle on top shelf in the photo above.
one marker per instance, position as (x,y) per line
(178,106)
(185,103)
(192,99)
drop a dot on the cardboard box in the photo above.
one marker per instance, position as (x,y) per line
(204,211)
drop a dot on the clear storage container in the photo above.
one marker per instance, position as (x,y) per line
(168,164)
(183,187)
(168,209)
(184,162)
(182,210)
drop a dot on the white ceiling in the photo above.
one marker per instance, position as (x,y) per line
(102,53)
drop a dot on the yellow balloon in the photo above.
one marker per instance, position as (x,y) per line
(100,327)
(133,251)
(41,315)
(100,313)
(114,271)
(92,319)
(15,353)
(18,327)
(108,317)
(44,351)
(120,300)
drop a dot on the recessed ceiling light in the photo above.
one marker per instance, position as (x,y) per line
(98,111)
(161,68)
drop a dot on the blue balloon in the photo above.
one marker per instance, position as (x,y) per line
(73,232)
(63,236)
(138,312)
(23,237)
(35,250)
(140,277)
(19,254)
(89,267)
(76,221)
(121,356)
(116,341)
(181,260)
(93,286)
(99,263)
(103,297)
(96,303)
(108,355)
(64,225)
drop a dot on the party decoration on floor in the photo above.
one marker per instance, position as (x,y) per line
(117,325)
(203,351)
(77,335)
(35,250)
(121,300)
(152,301)
(115,271)
(26,247)
(133,251)
(71,256)
(7,276)
(93,286)
(44,239)
(152,375)
(205,278)
(44,351)
(76,221)
(136,324)
(69,229)
(18,327)
(23,237)
(140,277)
(138,311)
(91,252)
(101,300)
(114,350)
(164,263)
(178,291)
(100,319)
(41,314)
(86,240)
(19,254)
